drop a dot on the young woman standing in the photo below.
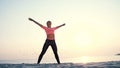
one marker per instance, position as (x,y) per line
(50,41)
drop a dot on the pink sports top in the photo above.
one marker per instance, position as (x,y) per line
(49,30)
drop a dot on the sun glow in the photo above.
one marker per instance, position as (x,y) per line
(85,59)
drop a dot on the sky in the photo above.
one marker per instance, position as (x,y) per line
(92,28)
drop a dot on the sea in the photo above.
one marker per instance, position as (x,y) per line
(82,62)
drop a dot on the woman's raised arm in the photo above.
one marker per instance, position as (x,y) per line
(60,25)
(35,22)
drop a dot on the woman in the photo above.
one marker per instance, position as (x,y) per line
(50,41)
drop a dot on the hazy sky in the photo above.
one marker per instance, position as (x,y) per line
(92,28)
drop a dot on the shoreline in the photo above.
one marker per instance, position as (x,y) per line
(61,63)
(113,64)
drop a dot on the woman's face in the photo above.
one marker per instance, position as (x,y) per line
(49,24)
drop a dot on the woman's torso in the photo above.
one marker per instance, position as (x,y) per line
(51,36)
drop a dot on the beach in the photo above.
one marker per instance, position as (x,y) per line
(109,64)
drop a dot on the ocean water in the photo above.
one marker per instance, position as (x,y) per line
(82,59)
(110,64)
(82,62)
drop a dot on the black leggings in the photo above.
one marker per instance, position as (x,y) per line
(45,47)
